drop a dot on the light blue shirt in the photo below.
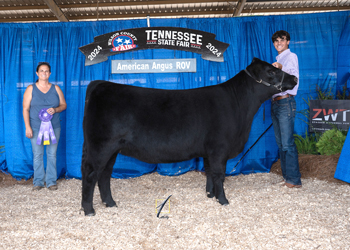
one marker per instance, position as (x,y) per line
(290,65)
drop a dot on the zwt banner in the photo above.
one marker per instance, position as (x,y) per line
(327,114)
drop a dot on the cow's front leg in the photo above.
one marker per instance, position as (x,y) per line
(89,180)
(219,179)
(210,183)
(210,186)
(217,168)
(104,184)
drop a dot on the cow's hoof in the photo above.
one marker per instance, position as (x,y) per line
(210,194)
(223,202)
(89,213)
(110,204)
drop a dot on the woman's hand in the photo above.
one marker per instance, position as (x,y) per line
(51,111)
(29,132)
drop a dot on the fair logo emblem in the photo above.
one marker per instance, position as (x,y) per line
(123,43)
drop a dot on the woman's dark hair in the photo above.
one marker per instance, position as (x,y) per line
(43,63)
(280,34)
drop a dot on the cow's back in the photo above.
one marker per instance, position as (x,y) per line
(156,125)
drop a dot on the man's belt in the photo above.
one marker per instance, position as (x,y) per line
(277,98)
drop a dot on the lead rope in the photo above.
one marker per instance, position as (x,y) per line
(250,148)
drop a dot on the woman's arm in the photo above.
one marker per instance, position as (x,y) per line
(27,98)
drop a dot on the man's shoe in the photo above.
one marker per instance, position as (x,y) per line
(37,188)
(53,187)
(281,183)
(292,186)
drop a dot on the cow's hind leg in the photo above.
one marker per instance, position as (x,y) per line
(104,183)
(89,180)
(210,182)
(218,168)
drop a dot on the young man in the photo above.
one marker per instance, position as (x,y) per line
(283,110)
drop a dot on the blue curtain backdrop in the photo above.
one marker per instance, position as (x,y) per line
(343,76)
(315,39)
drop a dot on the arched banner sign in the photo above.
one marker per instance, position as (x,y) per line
(173,38)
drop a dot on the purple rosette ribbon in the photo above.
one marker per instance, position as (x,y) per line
(46,129)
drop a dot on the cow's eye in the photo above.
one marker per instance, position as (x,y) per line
(272,73)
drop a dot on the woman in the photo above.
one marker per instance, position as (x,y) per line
(37,96)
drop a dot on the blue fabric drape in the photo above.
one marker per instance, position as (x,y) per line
(315,39)
(343,77)
(343,170)
(3,100)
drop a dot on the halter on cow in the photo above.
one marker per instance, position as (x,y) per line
(278,86)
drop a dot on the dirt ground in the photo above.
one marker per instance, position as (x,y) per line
(321,167)
(262,214)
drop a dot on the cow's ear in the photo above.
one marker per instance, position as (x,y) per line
(255,59)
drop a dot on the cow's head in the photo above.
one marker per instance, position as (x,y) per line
(266,74)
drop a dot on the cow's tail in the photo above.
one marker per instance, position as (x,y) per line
(83,157)
(92,85)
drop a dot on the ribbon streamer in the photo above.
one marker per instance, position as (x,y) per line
(46,129)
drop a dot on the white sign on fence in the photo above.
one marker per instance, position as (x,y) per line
(154,66)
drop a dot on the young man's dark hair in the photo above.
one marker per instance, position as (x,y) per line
(280,34)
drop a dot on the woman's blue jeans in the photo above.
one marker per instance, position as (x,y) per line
(283,115)
(40,177)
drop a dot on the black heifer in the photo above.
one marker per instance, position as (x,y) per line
(162,126)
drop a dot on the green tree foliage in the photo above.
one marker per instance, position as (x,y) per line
(331,142)
(306,144)
(324,95)
(344,94)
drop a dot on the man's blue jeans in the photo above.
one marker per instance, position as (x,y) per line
(38,160)
(283,115)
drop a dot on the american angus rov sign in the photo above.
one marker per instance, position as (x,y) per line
(153,66)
